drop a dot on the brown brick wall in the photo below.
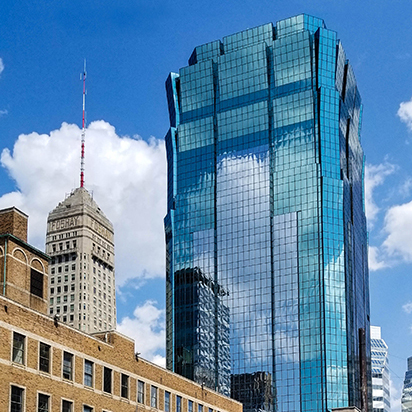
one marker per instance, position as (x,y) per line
(13,222)
(118,355)
(20,259)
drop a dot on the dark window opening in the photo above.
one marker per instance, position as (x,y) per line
(125,386)
(36,283)
(16,402)
(44,357)
(107,380)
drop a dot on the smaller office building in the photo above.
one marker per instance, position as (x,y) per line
(406,400)
(49,366)
(380,372)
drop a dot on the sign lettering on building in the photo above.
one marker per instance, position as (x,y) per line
(100,229)
(64,223)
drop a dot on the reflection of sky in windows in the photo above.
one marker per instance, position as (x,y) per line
(244,254)
(269,204)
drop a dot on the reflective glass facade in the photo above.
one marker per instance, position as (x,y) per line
(266,206)
(381,395)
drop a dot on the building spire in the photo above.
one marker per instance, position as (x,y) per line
(83,127)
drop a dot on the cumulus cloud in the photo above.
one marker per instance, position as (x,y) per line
(126,175)
(405,113)
(407,307)
(375,263)
(147,328)
(398,226)
(374,176)
(1,65)
(3,112)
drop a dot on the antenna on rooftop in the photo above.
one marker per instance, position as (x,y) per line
(83,126)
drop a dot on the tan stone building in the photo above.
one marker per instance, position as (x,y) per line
(50,366)
(80,242)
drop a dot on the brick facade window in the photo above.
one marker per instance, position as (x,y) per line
(43,404)
(107,380)
(16,401)
(18,348)
(67,366)
(178,403)
(153,396)
(88,373)
(67,406)
(140,391)
(36,283)
(167,401)
(125,386)
(44,357)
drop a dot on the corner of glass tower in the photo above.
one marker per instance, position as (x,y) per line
(267,272)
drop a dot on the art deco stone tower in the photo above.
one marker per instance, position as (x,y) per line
(79,240)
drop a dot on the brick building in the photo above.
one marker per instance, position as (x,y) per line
(50,366)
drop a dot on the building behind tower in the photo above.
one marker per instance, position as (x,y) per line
(380,372)
(406,400)
(265,201)
(80,243)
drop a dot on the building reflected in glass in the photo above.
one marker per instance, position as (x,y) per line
(266,214)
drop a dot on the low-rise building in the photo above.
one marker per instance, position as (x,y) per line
(49,366)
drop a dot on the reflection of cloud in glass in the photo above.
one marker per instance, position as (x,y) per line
(243,238)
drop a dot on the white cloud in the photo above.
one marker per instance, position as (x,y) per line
(374,176)
(147,328)
(398,225)
(127,177)
(406,187)
(375,263)
(407,307)
(1,65)
(405,113)
(3,112)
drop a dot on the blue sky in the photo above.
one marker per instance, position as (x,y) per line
(130,47)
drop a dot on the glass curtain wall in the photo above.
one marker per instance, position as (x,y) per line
(266,214)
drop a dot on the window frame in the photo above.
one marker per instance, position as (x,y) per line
(104,380)
(178,403)
(167,396)
(88,375)
(36,279)
(22,396)
(124,386)
(45,359)
(16,350)
(68,402)
(153,396)
(38,402)
(140,391)
(71,366)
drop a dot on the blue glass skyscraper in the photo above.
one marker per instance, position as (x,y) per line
(266,213)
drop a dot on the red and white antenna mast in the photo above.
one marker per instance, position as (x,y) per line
(83,126)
